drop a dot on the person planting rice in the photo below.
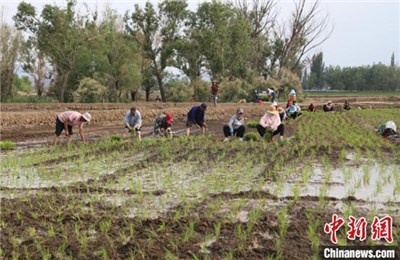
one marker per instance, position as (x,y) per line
(162,125)
(133,122)
(328,107)
(271,120)
(66,120)
(196,117)
(293,111)
(235,126)
(291,98)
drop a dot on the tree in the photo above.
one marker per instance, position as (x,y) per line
(59,35)
(392,60)
(10,43)
(157,34)
(34,63)
(317,71)
(22,83)
(261,17)
(117,63)
(303,34)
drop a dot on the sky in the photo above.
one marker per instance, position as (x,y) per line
(364,32)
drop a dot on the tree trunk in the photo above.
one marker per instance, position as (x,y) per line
(6,84)
(133,95)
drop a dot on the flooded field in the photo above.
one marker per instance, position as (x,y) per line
(199,197)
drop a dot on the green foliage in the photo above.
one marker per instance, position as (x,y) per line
(178,91)
(7,145)
(116,138)
(252,124)
(10,44)
(378,77)
(90,91)
(201,90)
(233,91)
(251,136)
(22,83)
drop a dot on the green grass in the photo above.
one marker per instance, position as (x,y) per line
(7,145)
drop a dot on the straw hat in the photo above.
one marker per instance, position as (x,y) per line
(87,117)
(271,110)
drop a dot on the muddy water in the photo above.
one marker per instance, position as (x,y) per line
(370,182)
(62,174)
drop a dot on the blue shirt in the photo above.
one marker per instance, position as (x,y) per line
(196,116)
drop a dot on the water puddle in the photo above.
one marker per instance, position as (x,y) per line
(62,174)
(371,182)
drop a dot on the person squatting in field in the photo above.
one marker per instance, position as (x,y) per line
(346,105)
(133,122)
(291,98)
(281,111)
(66,120)
(292,110)
(162,125)
(328,107)
(196,117)
(235,126)
(271,120)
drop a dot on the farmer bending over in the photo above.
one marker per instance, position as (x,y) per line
(328,107)
(133,122)
(162,125)
(66,120)
(271,120)
(235,126)
(196,117)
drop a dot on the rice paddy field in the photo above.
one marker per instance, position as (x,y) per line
(200,198)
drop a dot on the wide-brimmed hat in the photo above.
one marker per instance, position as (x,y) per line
(329,102)
(168,118)
(271,110)
(240,111)
(87,117)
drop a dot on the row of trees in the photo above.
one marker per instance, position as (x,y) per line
(110,55)
(377,77)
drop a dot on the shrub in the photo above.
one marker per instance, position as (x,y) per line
(251,136)
(178,91)
(90,91)
(201,90)
(7,145)
(252,124)
(233,91)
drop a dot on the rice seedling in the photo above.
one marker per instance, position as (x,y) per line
(7,145)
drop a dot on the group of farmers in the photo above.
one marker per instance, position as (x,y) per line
(162,126)
(271,121)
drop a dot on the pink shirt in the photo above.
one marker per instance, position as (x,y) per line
(71,116)
(269,120)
